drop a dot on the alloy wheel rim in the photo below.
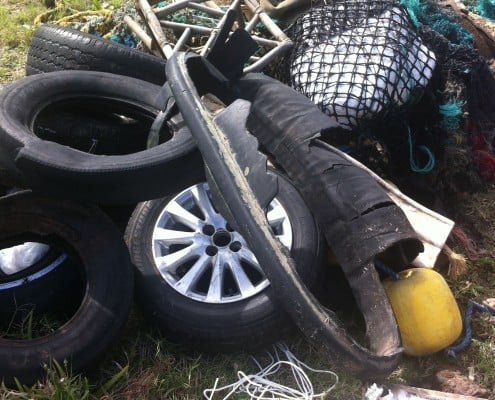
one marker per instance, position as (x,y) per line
(200,256)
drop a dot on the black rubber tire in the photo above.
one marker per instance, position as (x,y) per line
(39,287)
(57,48)
(71,173)
(88,235)
(246,324)
(7,182)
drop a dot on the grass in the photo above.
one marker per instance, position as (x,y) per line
(17,26)
(145,365)
(27,325)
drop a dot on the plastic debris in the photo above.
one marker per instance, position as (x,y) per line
(17,258)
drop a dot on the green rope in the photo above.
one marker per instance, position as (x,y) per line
(485,8)
(431,158)
(427,13)
(413,10)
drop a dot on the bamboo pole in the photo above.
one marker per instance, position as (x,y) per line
(279,35)
(196,4)
(141,34)
(212,4)
(156,31)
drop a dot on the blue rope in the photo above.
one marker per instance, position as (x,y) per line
(431,158)
(126,39)
(468,334)
(384,268)
(451,113)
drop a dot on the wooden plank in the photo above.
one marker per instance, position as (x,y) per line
(141,34)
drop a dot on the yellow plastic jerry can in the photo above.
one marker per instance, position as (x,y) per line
(426,311)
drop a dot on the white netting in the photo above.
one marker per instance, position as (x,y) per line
(357,58)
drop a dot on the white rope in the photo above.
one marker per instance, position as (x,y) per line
(260,386)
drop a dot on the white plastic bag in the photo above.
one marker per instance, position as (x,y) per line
(16,258)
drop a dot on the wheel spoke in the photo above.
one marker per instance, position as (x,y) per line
(188,281)
(183,216)
(276,216)
(285,239)
(215,290)
(244,284)
(169,236)
(170,262)
(248,256)
(203,201)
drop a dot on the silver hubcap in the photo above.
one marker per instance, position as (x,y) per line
(199,255)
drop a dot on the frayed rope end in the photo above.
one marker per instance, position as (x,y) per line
(457,263)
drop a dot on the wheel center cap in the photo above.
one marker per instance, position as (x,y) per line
(222,238)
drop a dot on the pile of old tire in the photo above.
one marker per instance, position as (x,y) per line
(75,133)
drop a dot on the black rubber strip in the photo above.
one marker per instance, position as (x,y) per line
(318,324)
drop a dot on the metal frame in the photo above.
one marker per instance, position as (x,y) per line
(155,20)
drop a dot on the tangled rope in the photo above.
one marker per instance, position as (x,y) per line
(260,386)
(91,21)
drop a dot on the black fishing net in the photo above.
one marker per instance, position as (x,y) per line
(357,58)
